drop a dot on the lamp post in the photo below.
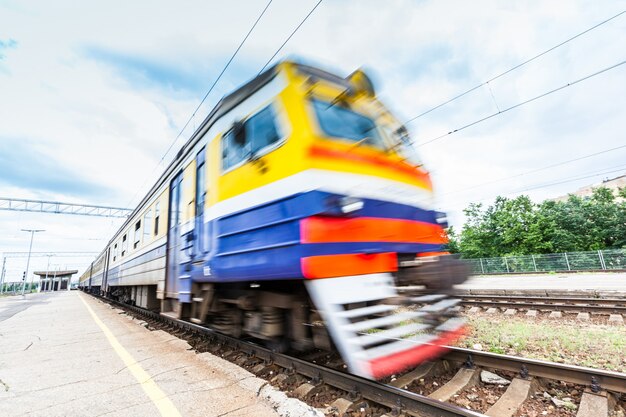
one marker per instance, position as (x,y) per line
(47,269)
(32,234)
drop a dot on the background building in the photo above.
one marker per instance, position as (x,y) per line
(613,184)
(55,280)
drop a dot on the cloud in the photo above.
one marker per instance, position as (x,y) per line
(8,44)
(106,89)
(144,72)
(183,77)
(23,165)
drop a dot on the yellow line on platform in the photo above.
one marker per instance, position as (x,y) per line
(158,397)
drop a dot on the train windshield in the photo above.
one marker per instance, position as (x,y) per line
(343,123)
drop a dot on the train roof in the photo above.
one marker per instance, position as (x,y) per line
(222,107)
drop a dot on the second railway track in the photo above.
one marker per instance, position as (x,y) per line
(355,396)
(604,306)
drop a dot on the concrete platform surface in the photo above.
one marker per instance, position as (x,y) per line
(609,281)
(67,354)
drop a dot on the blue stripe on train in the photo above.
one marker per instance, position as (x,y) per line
(284,262)
(263,242)
(310,204)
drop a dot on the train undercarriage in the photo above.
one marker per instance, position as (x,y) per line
(379,323)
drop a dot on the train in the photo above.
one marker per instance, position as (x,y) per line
(296,214)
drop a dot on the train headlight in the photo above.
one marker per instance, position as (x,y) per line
(350,204)
(442,219)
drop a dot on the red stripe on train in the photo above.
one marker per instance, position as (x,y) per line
(329,266)
(397,362)
(369,229)
(379,161)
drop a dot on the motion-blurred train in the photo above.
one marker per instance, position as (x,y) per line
(292,215)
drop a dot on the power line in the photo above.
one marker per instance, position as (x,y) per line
(235,53)
(515,67)
(523,103)
(289,37)
(217,79)
(206,95)
(605,171)
(620,168)
(536,170)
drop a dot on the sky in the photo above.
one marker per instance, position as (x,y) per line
(92,94)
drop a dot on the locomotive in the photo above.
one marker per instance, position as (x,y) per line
(296,214)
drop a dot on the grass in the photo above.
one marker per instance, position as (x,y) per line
(584,344)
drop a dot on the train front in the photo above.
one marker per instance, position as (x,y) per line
(317,187)
(373,257)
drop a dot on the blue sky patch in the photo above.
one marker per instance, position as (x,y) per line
(188,79)
(22,165)
(7,44)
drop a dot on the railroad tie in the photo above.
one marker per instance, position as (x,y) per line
(306,389)
(514,396)
(555,315)
(342,406)
(464,378)
(583,316)
(593,405)
(417,373)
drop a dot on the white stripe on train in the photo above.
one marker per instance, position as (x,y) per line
(354,185)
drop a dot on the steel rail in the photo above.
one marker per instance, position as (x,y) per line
(395,398)
(595,378)
(548,303)
(547,299)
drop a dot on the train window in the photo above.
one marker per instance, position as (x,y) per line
(157,213)
(115,252)
(340,122)
(179,214)
(200,189)
(147,225)
(259,132)
(124,245)
(137,235)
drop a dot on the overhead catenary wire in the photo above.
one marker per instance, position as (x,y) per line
(535,170)
(218,78)
(290,36)
(458,96)
(193,114)
(530,100)
(618,168)
(222,72)
(605,171)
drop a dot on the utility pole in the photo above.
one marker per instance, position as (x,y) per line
(4,262)
(30,248)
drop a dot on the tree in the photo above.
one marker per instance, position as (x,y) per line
(520,227)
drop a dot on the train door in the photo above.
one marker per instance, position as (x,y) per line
(105,271)
(201,238)
(173,237)
(90,276)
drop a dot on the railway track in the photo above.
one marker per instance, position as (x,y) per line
(615,307)
(459,371)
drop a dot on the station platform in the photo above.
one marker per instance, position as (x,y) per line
(579,281)
(68,354)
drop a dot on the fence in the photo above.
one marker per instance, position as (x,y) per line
(608,260)
(16,287)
